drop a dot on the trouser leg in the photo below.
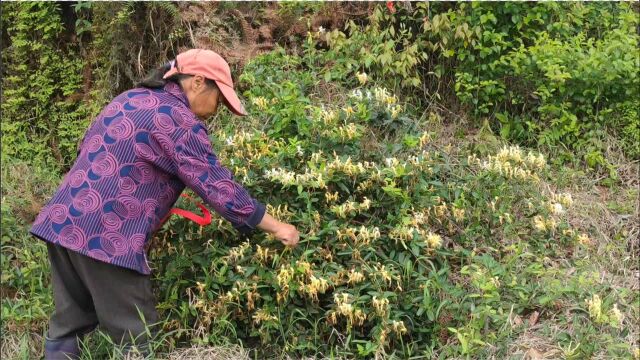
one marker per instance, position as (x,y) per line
(74,314)
(123,300)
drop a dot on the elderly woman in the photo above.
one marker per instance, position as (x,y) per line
(136,158)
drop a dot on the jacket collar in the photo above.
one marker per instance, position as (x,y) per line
(175,90)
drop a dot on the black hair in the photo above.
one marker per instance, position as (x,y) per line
(154,79)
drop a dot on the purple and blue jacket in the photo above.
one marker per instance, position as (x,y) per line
(135,160)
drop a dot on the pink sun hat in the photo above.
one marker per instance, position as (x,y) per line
(212,66)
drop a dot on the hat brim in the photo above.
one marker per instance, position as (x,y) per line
(170,73)
(232,101)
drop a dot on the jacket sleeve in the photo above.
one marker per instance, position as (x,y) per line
(192,160)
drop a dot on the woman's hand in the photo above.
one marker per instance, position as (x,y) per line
(286,233)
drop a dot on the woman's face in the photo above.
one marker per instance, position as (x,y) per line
(203,99)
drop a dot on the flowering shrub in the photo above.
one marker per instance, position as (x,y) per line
(383,232)
(534,70)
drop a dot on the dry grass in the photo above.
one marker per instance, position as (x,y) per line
(30,346)
(532,345)
(21,346)
(209,353)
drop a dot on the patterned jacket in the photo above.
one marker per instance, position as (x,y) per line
(136,158)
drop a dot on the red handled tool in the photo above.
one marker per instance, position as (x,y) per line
(203,220)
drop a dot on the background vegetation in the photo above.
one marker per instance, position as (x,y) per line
(464,175)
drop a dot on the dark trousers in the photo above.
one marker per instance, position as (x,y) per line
(90,293)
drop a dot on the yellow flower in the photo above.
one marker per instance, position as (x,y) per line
(424,139)
(402,233)
(262,254)
(349,111)
(458,214)
(395,111)
(365,235)
(261,102)
(328,117)
(595,308)
(440,210)
(331,197)
(434,240)
(539,223)
(346,132)
(304,266)
(551,224)
(616,316)
(390,100)
(384,274)
(319,283)
(355,277)
(383,336)
(350,208)
(332,319)
(345,309)
(398,327)
(237,252)
(535,161)
(381,306)
(584,239)
(316,285)
(284,276)
(263,315)
(358,317)
(362,78)
(366,203)
(565,199)
(341,298)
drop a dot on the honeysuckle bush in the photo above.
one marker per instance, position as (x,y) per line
(408,247)
(534,70)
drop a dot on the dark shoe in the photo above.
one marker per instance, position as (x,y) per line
(62,348)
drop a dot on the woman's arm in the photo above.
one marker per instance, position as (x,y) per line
(191,158)
(286,233)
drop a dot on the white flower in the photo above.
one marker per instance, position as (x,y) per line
(322,30)
(300,151)
(357,94)
(230,140)
(391,162)
(557,209)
